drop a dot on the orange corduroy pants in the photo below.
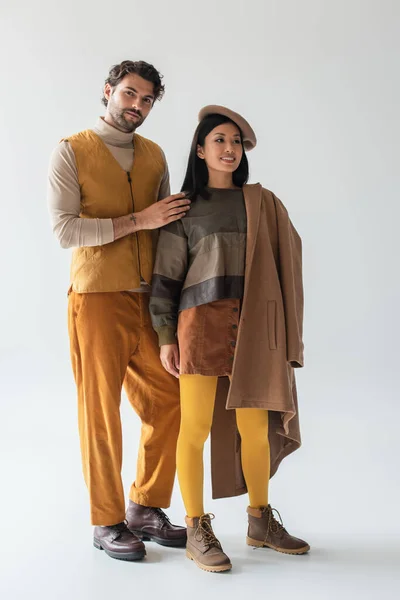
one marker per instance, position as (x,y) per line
(113,344)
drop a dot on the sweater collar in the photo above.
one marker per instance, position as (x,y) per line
(112,136)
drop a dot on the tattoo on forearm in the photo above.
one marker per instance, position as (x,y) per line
(133,218)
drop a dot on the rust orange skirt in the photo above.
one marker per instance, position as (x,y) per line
(207,336)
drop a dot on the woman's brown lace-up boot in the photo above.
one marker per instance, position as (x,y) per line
(265,530)
(203,547)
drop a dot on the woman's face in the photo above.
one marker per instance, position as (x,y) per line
(222,150)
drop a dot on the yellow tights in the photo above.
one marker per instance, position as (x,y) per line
(197,407)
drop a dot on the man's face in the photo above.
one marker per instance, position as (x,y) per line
(129,102)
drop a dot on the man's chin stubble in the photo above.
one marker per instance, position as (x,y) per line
(129,126)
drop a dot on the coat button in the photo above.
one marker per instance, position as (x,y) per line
(233,344)
(235,309)
(234,326)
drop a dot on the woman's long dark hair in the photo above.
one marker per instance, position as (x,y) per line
(196,177)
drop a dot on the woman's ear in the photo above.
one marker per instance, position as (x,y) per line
(200,152)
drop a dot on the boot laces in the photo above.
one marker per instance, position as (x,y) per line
(119,529)
(161,516)
(274,526)
(204,532)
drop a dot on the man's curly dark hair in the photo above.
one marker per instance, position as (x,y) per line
(139,67)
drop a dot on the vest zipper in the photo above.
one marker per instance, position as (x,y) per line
(135,233)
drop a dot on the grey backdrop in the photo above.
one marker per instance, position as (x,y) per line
(319,81)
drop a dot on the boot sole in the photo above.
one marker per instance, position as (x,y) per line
(261,544)
(217,569)
(128,556)
(145,537)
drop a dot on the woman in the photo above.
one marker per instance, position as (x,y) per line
(227,303)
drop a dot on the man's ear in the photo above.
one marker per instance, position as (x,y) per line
(107,91)
(200,152)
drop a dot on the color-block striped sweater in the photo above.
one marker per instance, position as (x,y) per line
(199,259)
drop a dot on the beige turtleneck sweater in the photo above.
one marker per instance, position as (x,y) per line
(64,197)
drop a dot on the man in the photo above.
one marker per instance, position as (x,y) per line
(108,194)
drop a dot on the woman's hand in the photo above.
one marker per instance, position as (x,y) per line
(169,356)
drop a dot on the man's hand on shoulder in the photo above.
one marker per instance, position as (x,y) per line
(155,216)
(163,212)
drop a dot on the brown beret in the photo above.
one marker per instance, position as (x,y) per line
(249,137)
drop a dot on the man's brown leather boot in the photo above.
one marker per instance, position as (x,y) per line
(203,547)
(265,531)
(118,542)
(150,523)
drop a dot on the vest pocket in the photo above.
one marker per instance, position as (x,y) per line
(271,316)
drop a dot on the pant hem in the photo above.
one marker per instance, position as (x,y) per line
(107,520)
(147,500)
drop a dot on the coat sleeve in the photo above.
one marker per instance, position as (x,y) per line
(169,275)
(291,280)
